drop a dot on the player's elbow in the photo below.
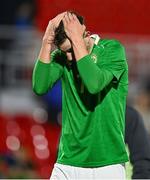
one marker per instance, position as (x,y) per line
(94,89)
(38,90)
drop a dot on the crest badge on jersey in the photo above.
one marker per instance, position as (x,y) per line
(94,58)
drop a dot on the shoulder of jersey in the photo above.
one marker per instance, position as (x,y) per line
(108,42)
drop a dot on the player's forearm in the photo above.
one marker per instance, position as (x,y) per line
(79,48)
(94,78)
(45,50)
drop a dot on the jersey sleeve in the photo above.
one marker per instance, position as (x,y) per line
(115,59)
(46,74)
(112,65)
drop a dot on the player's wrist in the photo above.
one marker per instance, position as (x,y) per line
(79,48)
(44,54)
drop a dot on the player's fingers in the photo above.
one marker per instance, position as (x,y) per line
(57,20)
(64,22)
(75,17)
(56,24)
(66,18)
(59,17)
(70,16)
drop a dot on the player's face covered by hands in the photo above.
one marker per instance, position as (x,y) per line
(73,29)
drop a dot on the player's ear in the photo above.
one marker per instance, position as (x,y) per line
(86,33)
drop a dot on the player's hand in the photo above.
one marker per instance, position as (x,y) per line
(72,26)
(50,30)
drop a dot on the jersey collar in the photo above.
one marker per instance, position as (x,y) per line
(96,38)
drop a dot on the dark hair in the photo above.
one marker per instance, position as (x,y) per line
(60,35)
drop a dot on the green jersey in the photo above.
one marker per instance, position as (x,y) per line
(93,103)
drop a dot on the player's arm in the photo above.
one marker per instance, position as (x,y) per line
(46,72)
(94,78)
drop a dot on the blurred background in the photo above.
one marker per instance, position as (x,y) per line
(30,125)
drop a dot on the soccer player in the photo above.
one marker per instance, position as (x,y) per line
(94,75)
